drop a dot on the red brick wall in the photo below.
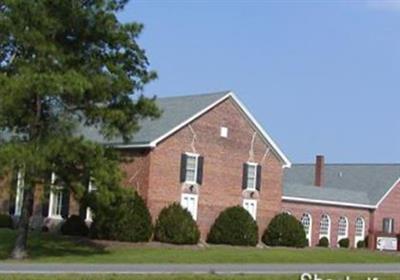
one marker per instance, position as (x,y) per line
(223,163)
(136,167)
(389,208)
(316,211)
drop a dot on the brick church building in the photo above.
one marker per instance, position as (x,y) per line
(209,153)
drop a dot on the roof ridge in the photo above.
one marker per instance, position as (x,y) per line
(223,92)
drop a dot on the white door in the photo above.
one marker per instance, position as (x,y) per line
(189,202)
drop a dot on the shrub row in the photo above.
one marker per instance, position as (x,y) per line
(127,218)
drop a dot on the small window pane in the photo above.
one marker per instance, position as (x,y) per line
(251,176)
(190,175)
(324,226)
(57,203)
(359,227)
(191,163)
(306,221)
(342,228)
(191,169)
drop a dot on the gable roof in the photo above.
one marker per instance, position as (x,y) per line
(357,185)
(178,112)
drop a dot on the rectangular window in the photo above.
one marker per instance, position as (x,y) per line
(89,214)
(191,168)
(388,225)
(56,199)
(251,206)
(189,202)
(19,198)
(224,132)
(251,176)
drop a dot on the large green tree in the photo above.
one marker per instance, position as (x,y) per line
(65,65)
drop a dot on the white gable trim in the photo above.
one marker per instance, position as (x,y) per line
(387,193)
(287,162)
(327,202)
(269,140)
(155,142)
(264,134)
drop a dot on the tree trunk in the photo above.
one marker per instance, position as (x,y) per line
(20,250)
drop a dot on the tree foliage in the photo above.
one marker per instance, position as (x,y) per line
(65,66)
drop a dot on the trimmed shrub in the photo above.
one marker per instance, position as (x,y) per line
(74,226)
(234,226)
(6,221)
(323,242)
(344,243)
(366,240)
(126,218)
(285,230)
(175,225)
(361,244)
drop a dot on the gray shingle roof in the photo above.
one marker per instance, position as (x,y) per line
(175,111)
(347,183)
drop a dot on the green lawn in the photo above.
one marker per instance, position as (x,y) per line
(56,249)
(192,277)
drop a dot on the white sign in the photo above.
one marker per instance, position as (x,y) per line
(386,243)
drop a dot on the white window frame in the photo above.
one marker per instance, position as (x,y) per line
(55,190)
(251,201)
(361,237)
(255,165)
(19,195)
(89,214)
(196,156)
(328,234)
(346,234)
(196,203)
(309,232)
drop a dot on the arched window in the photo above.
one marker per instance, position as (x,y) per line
(343,228)
(306,220)
(360,230)
(325,227)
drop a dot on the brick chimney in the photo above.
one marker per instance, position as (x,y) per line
(319,171)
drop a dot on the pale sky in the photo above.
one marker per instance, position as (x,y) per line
(322,77)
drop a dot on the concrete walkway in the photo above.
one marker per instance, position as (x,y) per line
(11,268)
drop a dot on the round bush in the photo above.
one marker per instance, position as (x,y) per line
(323,242)
(175,225)
(366,240)
(126,219)
(344,243)
(285,230)
(361,244)
(234,226)
(6,221)
(75,226)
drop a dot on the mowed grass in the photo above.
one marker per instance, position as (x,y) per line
(48,248)
(195,277)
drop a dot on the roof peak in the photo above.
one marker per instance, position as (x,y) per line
(216,93)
